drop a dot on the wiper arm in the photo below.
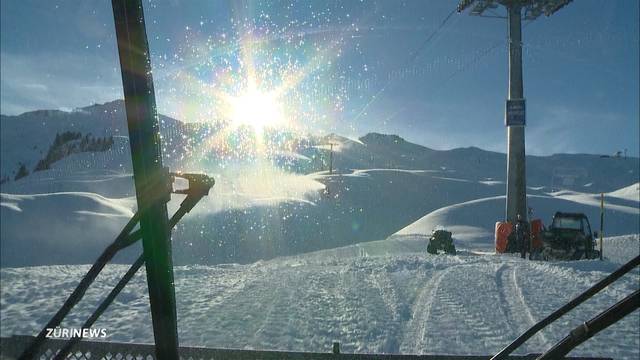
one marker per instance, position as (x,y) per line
(504,353)
(588,329)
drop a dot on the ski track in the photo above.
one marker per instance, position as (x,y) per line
(222,306)
(515,309)
(265,310)
(522,304)
(277,316)
(414,304)
(414,335)
(397,309)
(454,319)
(503,297)
(564,281)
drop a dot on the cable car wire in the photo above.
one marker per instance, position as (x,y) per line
(412,57)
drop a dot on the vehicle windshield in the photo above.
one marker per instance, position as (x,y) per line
(567,223)
(341,136)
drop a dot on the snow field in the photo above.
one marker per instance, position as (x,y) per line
(406,303)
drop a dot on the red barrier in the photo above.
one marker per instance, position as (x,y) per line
(503,229)
(536,229)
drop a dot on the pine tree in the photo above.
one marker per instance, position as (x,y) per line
(58,140)
(84,142)
(22,172)
(41,165)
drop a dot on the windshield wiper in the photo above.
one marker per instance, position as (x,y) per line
(609,314)
(588,329)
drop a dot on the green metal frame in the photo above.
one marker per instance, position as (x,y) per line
(150,177)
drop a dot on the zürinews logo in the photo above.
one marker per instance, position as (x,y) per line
(86,333)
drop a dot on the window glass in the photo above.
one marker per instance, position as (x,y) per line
(342,135)
(567,223)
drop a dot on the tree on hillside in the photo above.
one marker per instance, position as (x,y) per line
(22,172)
(70,142)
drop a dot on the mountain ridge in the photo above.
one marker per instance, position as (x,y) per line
(26,137)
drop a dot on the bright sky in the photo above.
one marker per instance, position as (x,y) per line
(346,66)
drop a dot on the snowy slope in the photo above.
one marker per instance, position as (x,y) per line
(60,228)
(25,138)
(407,302)
(244,220)
(621,249)
(631,192)
(578,172)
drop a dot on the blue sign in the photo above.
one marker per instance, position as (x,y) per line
(515,113)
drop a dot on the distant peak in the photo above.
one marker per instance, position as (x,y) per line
(42,113)
(115,104)
(335,137)
(469,149)
(374,137)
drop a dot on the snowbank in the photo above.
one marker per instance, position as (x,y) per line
(631,192)
(67,228)
(621,249)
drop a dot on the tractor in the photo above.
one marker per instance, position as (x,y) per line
(441,240)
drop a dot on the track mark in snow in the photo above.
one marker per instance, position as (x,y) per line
(503,297)
(277,321)
(516,310)
(364,305)
(465,311)
(398,310)
(458,306)
(524,306)
(413,337)
(415,304)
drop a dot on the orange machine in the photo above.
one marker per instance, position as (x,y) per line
(536,228)
(504,229)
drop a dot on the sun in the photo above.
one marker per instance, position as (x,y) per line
(256,109)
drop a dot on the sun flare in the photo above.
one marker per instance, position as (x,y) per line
(256,109)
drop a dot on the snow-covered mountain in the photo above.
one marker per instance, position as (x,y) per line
(25,139)
(285,201)
(284,254)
